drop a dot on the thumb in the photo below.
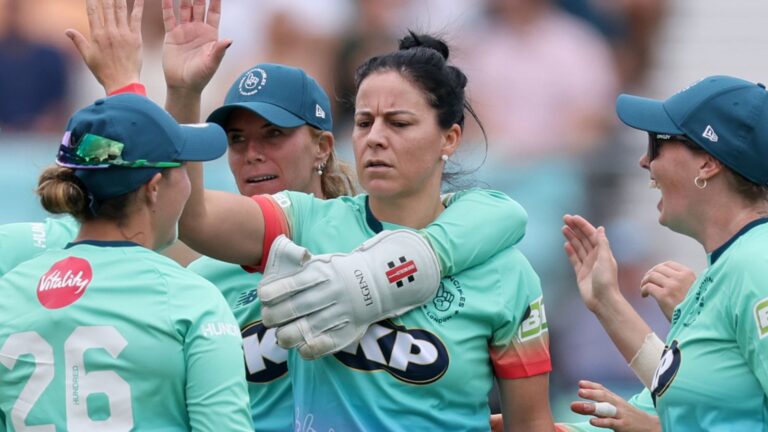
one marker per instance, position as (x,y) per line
(80,42)
(219,49)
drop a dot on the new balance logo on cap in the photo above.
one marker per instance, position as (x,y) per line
(319,112)
(710,134)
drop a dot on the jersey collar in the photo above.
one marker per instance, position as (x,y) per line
(719,251)
(102,243)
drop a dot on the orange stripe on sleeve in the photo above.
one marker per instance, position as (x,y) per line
(275,224)
(522,359)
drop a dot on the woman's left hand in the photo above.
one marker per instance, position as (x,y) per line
(627,417)
(192,52)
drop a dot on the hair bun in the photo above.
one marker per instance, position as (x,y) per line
(413,40)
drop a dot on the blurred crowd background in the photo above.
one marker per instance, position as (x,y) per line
(543,78)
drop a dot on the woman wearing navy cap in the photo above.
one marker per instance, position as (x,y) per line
(708,156)
(107,334)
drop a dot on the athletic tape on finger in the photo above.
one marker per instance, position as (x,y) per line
(605,409)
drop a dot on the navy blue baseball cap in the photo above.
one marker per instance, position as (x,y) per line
(726,116)
(117,144)
(285,96)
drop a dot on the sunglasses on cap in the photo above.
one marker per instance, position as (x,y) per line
(656,140)
(95,152)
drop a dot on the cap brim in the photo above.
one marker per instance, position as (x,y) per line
(272,113)
(645,114)
(202,142)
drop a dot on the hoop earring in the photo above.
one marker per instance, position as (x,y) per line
(701,184)
(444,158)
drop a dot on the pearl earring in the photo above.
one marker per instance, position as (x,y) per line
(320,169)
(444,158)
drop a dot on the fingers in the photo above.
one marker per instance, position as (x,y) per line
(95,19)
(198,11)
(214,13)
(219,49)
(135,22)
(577,243)
(108,7)
(650,289)
(605,409)
(169,17)
(304,303)
(121,13)
(185,11)
(80,42)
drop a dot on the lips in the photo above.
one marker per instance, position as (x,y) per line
(375,163)
(259,179)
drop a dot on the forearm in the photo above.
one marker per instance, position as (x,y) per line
(624,325)
(183,104)
(461,242)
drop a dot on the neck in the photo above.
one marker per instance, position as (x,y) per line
(717,227)
(411,211)
(106,230)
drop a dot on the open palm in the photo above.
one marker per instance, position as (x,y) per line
(592,260)
(192,51)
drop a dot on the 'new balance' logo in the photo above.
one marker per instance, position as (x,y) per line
(710,134)
(319,112)
(396,273)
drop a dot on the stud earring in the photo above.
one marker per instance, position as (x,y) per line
(444,158)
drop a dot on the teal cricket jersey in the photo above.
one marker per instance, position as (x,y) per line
(113,336)
(641,401)
(713,375)
(20,242)
(266,364)
(431,368)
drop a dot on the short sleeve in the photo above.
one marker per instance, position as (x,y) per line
(519,346)
(476,225)
(216,392)
(749,309)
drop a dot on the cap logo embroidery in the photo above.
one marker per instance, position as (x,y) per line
(710,134)
(319,112)
(253,81)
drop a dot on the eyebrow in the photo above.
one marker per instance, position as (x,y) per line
(387,113)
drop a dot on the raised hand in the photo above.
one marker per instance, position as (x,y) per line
(668,283)
(192,51)
(627,418)
(592,260)
(113,53)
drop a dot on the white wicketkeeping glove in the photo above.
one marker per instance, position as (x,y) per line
(322,303)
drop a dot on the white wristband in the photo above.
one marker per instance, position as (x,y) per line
(647,358)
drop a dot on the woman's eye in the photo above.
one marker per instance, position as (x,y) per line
(362,123)
(236,138)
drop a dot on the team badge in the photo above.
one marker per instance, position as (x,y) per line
(761,317)
(64,283)
(448,301)
(253,81)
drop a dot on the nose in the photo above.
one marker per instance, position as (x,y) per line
(644,162)
(376,136)
(254,153)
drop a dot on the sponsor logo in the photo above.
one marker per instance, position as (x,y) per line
(253,81)
(247,297)
(38,235)
(404,270)
(448,301)
(666,371)
(64,283)
(219,329)
(761,317)
(265,360)
(363,285)
(282,200)
(710,134)
(414,356)
(534,321)
(319,111)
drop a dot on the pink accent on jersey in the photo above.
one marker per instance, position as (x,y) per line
(64,283)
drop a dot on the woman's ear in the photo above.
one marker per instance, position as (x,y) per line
(325,143)
(451,140)
(152,189)
(709,167)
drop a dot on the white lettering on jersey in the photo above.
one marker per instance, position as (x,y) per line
(256,351)
(38,235)
(56,280)
(219,329)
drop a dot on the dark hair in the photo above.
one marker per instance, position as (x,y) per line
(423,60)
(61,191)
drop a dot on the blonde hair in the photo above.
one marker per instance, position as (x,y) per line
(338,177)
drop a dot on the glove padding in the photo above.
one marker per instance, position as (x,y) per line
(323,303)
